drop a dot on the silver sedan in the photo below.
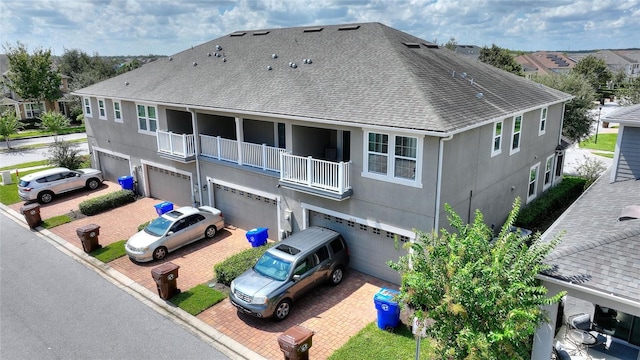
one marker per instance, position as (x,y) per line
(174,230)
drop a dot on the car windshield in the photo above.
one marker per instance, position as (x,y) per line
(158,226)
(272,267)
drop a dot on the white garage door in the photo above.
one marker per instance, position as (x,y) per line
(113,166)
(246,210)
(169,186)
(370,248)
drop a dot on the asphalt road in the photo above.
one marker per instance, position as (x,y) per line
(17,155)
(54,307)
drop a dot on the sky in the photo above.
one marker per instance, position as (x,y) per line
(166,27)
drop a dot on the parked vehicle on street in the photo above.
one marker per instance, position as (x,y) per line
(43,186)
(288,270)
(173,230)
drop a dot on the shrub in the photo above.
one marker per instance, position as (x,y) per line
(542,212)
(235,265)
(144,225)
(106,202)
(65,154)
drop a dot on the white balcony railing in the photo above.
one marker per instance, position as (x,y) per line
(314,173)
(182,145)
(255,155)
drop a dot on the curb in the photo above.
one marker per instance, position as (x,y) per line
(221,342)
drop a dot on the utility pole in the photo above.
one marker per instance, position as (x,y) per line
(598,124)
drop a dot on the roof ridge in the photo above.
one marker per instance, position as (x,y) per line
(591,244)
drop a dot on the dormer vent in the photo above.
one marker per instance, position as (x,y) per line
(348,27)
(238,33)
(260,33)
(430,45)
(313,29)
(412,45)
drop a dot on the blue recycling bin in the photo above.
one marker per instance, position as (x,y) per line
(388,309)
(258,236)
(163,207)
(126,182)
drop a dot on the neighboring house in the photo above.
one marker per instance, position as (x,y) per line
(617,60)
(543,63)
(361,128)
(31,109)
(470,51)
(633,56)
(598,259)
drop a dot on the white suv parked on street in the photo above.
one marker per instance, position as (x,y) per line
(44,185)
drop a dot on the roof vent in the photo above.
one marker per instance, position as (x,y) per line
(412,45)
(274,56)
(480,95)
(293,65)
(126,83)
(307,61)
(269,67)
(463,75)
(260,33)
(209,54)
(195,63)
(224,59)
(349,27)
(314,29)
(453,73)
(218,47)
(430,45)
(631,212)
(239,33)
(170,58)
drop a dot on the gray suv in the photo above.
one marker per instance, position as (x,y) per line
(288,270)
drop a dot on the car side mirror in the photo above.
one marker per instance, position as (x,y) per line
(170,233)
(296,277)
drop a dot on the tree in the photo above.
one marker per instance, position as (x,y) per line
(577,117)
(32,77)
(629,94)
(53,121)
(481,297)
(85,70)
(9,125)
(594,70)
(451,44)
(64,154)
(500,58)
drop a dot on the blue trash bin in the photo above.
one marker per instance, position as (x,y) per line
(126,182)
(388,309)
(163,207)
(257,237)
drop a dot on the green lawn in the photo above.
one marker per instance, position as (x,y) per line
(35,133)
(56,221)
(110,252)
(198,299)
(606,142)
(26,165)
(9,193)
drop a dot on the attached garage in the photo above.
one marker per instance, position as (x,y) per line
(169,185)
(247,209)
(370,248)
(113,166)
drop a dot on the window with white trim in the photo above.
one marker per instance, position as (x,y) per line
(548,172)
(393,157)
(533,182)
(515,137)
(117,111)
(87,106)
(102,109)
(34,109)
(497,138)
(543,122)
(147,118)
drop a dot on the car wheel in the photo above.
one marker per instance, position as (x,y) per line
(159,253)
(282,310)
(93,184)
(45,197)
(336,276)
(210,232)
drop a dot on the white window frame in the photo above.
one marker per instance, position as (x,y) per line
(549,171)
(497,138)
(542,128)
(29,110)
(117,111)
(514,134)
(533,182)
(391,158)
(147,120)
(102,109)
(86,105)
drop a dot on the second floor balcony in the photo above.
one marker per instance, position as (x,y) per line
(180,147)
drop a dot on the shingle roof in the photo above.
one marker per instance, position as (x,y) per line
(598,251)
(628,115)
(369,75)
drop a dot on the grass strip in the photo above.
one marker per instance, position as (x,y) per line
(56,221)
(110,252)
(606,142)
(197,299)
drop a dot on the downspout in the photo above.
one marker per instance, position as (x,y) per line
(196,147)
(555,157)
(436,217)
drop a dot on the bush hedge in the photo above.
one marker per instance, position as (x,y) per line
(106,202)
(235,265)
(543,211)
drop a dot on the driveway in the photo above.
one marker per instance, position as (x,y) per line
(333,313)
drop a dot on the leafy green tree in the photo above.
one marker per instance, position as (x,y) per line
(577,117)
(451,44)
(629,93)
(32,76)
(54,121)
(481,297)
(85,70)
(64,154)
(500,58)
(594,70)
(9,125)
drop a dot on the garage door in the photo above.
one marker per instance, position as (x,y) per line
(246,210)
(113,166)
(370,248)
(169,186)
